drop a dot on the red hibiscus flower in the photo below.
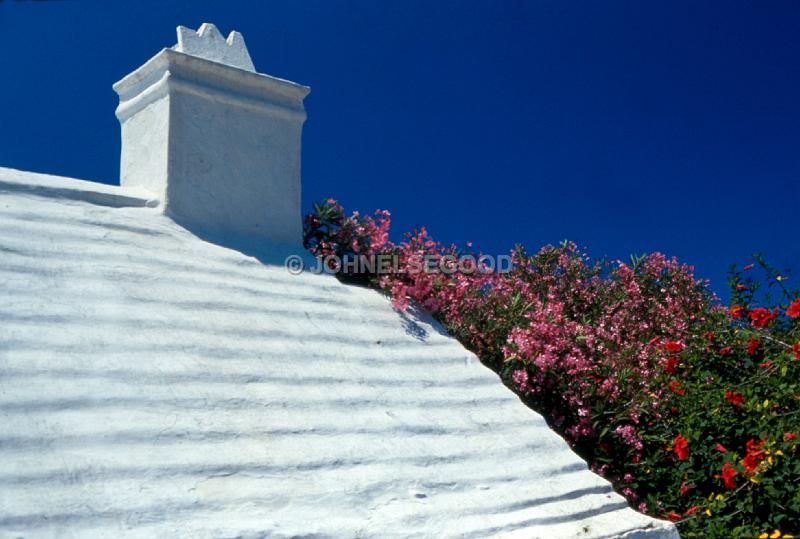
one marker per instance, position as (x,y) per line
(761,317)
(681,447)
(794,309)
(693,509)
(728,473)
(755,454)
(721,448)
(673,516)
(734,398)
(670,364)
(726,351)
(750,463)
(789,436)
(709,335)
(676,388)
(673,347)
(737,311)
(752,347)
(796,350)
(686,488)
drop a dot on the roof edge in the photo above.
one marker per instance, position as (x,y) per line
(49,186)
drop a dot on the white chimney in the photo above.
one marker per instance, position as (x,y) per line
(218,143)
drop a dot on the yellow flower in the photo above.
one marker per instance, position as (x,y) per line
(779,452)
(775,534)
(708,512)
(766,403)
(788,536)
(754,479)
(769,459)
(764,535)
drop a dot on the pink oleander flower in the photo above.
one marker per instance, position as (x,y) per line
(520,378)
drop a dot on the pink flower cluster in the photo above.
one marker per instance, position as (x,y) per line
(329,232)
(574,338)
(566,333)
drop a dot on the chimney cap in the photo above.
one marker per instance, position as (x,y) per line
(207,42)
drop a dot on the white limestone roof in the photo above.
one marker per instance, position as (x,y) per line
(154,384)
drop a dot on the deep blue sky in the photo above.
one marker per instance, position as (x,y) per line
(627,127)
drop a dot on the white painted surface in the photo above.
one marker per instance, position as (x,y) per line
(156,385)
(218,144)
(208,43)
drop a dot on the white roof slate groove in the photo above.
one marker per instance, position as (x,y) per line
(155,384)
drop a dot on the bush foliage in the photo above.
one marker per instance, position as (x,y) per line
(690,408)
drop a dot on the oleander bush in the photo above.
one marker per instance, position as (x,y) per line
(690,408)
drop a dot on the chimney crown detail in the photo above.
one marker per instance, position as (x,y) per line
(207,42)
